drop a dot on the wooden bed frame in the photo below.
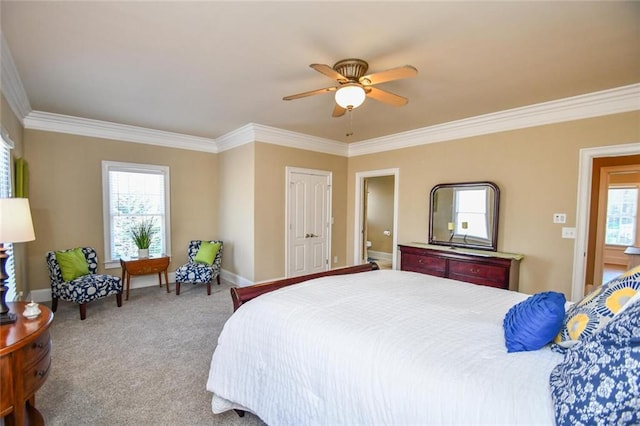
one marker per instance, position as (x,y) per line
(242,295)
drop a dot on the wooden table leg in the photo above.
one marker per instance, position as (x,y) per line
(160,279)
(166,279)
(128,285)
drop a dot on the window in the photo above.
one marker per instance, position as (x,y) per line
(5,192)
(471,212)
(133,193)
(622,206)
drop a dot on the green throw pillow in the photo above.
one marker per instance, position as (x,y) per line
(72,263)
(207,253)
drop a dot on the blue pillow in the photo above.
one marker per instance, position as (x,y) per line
(598,382)
(534,322)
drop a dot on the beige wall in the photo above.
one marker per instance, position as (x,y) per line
(236,209)
(270,187)
(380,213)
(66,194)
(13,127)
(537,172)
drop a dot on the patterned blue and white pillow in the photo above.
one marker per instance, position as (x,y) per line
(598,383)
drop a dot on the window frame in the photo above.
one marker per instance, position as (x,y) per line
(10,267)
(108,166)
(635,221)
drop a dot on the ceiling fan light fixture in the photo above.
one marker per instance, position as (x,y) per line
(350,96)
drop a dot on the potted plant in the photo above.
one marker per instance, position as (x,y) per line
(142,233)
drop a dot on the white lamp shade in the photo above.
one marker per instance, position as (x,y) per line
(350,96)
(15,221)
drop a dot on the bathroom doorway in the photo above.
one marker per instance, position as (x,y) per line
(376,217)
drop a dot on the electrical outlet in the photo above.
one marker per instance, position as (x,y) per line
(335,259)
(568,232)
(559,218)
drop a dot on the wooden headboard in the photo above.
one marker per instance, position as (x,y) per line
(242,295)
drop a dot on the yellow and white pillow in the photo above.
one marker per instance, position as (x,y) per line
(598,308)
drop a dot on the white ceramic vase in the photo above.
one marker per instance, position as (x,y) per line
(143,253)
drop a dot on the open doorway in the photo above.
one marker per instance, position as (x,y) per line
(376,217)
(591,161)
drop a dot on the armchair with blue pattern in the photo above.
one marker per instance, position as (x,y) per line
(193,272)
(85,288)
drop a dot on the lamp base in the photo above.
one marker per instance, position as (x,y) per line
(8,318)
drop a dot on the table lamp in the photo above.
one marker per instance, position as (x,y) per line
(15,227)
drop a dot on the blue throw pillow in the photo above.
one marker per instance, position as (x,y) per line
(598,382)
(534,322)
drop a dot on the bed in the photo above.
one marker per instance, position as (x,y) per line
(379,347)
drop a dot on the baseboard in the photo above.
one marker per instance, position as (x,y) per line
(235,279)
(44,295)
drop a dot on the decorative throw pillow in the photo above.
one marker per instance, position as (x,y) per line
(532,323)
(207,253)
(72,263)
(597,382)
(597,308)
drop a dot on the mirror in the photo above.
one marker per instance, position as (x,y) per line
(464,215)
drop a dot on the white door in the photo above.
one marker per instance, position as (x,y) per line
(308,217)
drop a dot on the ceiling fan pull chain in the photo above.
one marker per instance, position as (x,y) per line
(350,132)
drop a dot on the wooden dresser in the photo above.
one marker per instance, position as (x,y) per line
(490,268)
(25,359)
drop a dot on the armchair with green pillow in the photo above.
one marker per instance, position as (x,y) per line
(205,260)
(74,278)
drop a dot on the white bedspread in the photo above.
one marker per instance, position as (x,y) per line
(381,347)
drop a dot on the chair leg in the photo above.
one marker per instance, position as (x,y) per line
(218,278)
(177,288)
(83,311)
(119,299)
(54,304)
(209,288)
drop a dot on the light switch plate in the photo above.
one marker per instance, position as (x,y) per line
(559,218)
(568,232)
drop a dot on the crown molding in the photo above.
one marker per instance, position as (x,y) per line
(38,120)
(11,83)
(253,132)
(606,102)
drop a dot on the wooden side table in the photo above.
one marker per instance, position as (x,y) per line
(25,360)
(145,266)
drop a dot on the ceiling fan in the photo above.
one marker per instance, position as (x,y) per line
(354,85)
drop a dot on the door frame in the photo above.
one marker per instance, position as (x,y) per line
(358,220)
(585,174)
(289,171)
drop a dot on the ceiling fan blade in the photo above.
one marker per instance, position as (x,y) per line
(338,111)
(386,97)
(329,72)
(311,93)
(389,75)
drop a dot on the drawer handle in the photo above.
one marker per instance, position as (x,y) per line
(420,260)
(42,373)
(474,270)
(40,345)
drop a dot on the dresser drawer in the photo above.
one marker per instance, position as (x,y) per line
(35,375)
(424,264)
(484,274)
(35,350)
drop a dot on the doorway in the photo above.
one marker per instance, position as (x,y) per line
(376,213)
(586,228)
(308,217)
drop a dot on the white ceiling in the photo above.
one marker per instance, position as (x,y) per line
(207,68)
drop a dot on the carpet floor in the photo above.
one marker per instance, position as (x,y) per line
(145,363)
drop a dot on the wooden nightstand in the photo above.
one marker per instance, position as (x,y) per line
(145,266)
(25,360)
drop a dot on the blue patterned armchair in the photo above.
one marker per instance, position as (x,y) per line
(194,272)
(85,288)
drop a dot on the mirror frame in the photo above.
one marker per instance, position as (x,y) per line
(494,221)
